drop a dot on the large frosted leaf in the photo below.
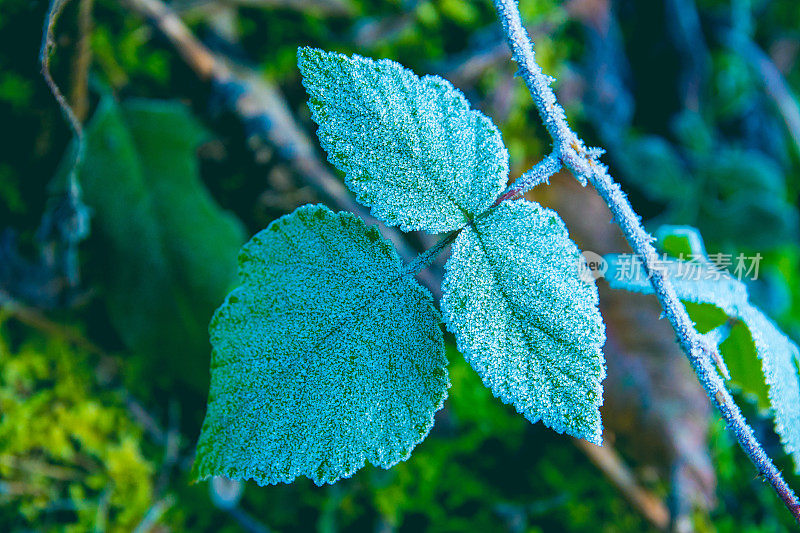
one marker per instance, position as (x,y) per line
(328,355)
(525,320)
(411,148)
(701,282)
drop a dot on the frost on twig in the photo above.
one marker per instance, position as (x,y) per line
(540,173)
(779,355)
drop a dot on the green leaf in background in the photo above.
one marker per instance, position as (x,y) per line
(739,351)
(745,200)
(525,320)
(654,166)
(681,242)
(328,355)
(741,358)
(701,282)
(734,195)
(411,148)
(169,250)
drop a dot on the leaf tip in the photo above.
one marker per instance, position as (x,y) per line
(306,54)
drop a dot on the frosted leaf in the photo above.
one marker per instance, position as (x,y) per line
(702,282)
(411,148)
(779,359)
(326,356)
(525,320)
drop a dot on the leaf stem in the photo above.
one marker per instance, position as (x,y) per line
(425,259)
(585,166)
(716,337)
(540,173)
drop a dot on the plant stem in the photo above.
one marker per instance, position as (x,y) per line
(33,318)
(426,258)
(540,173)
(609,461)
(79,93)
(48,45)
(585,166)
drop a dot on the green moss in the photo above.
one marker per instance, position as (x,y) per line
(69,454)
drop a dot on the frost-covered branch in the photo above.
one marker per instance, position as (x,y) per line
(540,173)
(425,259)
(584,164)
(715,337)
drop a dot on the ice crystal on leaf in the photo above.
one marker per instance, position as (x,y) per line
(525,320)
(411,148)
(701,282)
(326,356)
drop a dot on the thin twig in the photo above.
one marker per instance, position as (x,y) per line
(612,465)
(33,318)
(716,337)
(465,69)
(145,419)
(585,166)
(425,259)
(336,8)
(48,44)
(154,514)
(79,93)
(76,225)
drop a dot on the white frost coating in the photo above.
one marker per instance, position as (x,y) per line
(411,148)
(325,357)
(525,321)
(779,355)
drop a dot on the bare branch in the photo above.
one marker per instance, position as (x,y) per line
(33,318)
(79,92)
(611,464)
(48,44)
(338,8)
